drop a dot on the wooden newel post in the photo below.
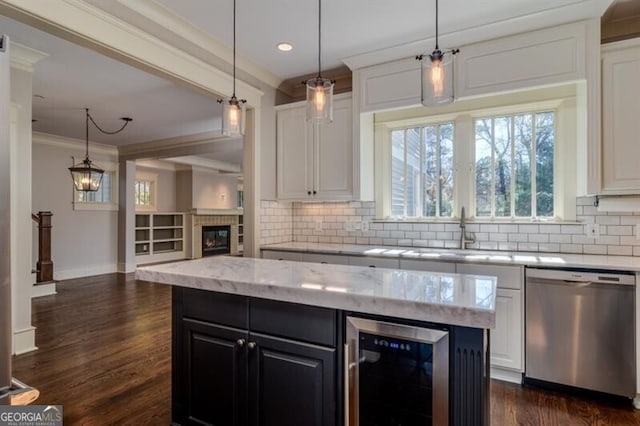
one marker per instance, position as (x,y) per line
(44,265)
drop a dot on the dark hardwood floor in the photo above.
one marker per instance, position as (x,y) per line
(104,351)
(105,356)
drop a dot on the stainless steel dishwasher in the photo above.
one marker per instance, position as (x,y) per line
(580,329)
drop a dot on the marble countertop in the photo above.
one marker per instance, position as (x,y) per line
(549,260)
(466,300)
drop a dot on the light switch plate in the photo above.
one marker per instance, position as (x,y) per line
(637,231)
(318,224)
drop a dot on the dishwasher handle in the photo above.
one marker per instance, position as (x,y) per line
(577,283)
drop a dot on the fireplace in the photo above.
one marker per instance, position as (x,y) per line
(216,240)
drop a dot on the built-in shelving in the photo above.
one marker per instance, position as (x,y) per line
(159,237)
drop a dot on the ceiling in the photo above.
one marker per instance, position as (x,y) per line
(72,77)
(350,27)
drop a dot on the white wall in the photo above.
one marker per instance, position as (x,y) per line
(214,191)
(84,242)
(166,187)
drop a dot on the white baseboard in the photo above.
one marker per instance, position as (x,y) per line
(506,375)
(84,272)
(41,290)
(24,341)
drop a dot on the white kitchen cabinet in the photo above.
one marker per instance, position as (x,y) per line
(315,162)
(427,265)
(506,337)
(374,262)
(281,255)
(332,259)
(620,124)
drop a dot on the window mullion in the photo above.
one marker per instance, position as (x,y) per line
(492,191)
(513,168)
(532,157)
(438,171)
(406,181)
(421,181)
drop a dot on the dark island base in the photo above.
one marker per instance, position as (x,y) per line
(240,360)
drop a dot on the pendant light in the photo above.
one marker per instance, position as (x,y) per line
(437,74)
(86,176)
(319,89)
(233,109)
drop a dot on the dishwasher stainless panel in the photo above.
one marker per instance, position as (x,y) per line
(580,329)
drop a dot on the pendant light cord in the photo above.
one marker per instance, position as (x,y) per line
(436,24)
(319,38)
(234,49)
(126,120)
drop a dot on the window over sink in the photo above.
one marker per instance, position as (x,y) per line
(502,163)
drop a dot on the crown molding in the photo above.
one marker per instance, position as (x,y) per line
(24,58)
(198,143)
(206,164)
(91,27)
(579,10)
(183,28)
(156,164)
(72,144)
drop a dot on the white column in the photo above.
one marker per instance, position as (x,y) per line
(251,168)
(22,62)
(126,217)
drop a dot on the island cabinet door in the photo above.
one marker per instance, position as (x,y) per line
(291,383)
(215,375)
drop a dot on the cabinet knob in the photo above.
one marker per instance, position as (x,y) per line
(324,263)
(308,192)
(372,266)
(240,343)
(252,345)
(314,192)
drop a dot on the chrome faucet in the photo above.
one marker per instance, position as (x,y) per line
(464,237)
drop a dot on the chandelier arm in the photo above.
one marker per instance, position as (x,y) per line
(127,120)
(86,156)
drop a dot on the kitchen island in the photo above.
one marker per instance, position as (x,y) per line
(259,341)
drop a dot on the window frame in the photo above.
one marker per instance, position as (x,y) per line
(153,179)
(463,119)
(110,168)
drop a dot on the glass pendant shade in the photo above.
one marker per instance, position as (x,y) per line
(86,177)
(233,112)
(437,79)
(320,100)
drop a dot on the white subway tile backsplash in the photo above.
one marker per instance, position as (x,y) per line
(608,220)
(490,228)
(594,249)
(506,229)
(283,222)
(560,238)
(498,237)
(571,248)
(518,238)
(620,250)
(528,229)
(620,230)
(539,238)
(549,247)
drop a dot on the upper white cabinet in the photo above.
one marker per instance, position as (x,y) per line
(550,56)
(315,162)
(620,124)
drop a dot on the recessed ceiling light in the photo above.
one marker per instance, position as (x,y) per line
(285,47)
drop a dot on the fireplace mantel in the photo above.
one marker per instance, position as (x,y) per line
(231,212)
